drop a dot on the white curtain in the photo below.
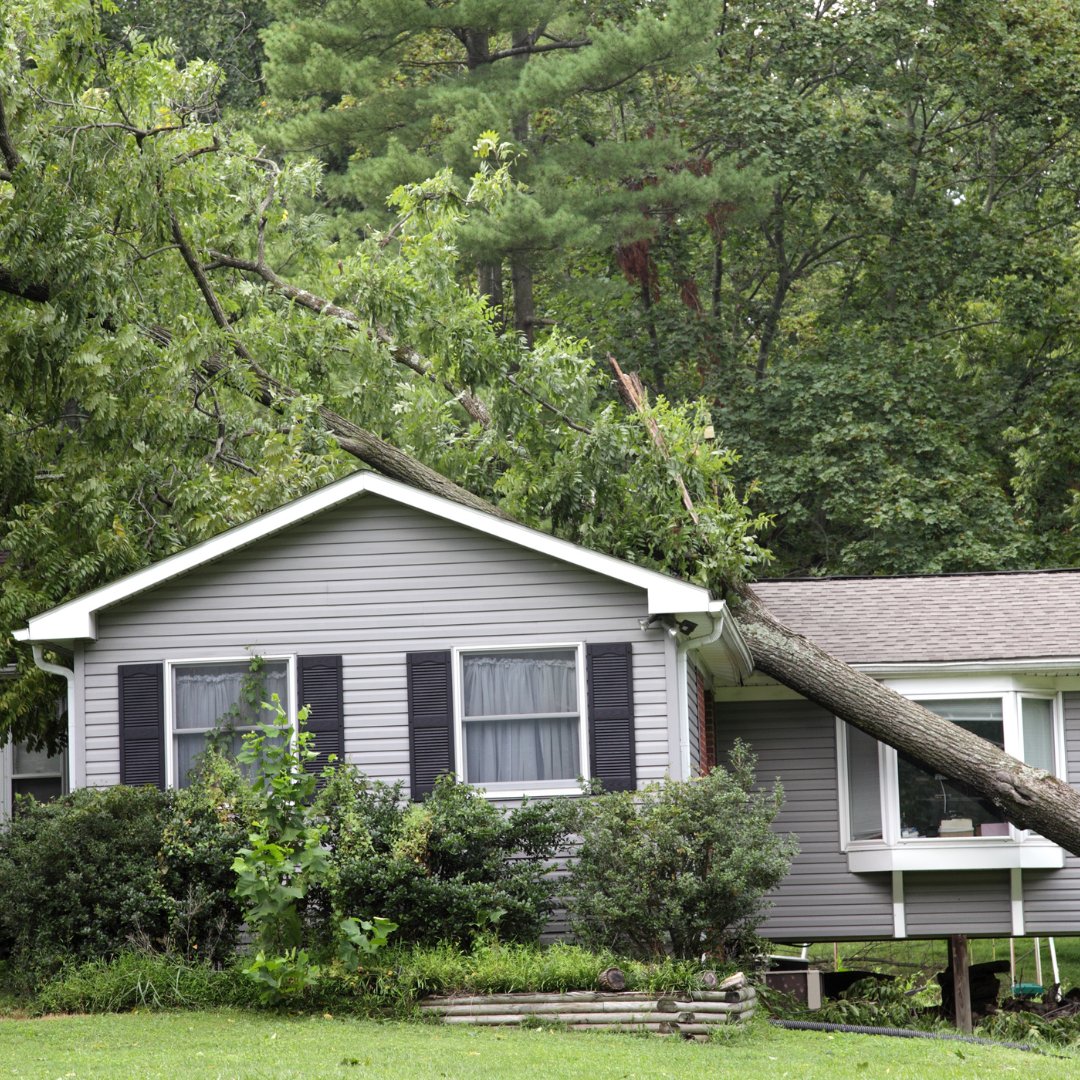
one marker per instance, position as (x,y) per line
(210,696)
(864,785)
(206,694)
(522,718)
(1038,721)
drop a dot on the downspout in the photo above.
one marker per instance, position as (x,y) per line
(69,676)
(681,649)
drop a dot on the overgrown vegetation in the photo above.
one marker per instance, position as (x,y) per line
(681,867)
(84,876)
(449,869)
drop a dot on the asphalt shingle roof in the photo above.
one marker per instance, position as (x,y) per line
(941,618)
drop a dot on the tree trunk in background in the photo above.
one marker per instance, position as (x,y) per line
(1030,798)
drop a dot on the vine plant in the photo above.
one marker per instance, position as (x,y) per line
(284,858)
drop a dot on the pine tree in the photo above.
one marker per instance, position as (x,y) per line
(390,91)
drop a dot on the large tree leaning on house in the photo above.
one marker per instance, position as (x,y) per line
(161,380)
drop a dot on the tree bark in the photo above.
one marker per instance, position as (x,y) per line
(1030,798)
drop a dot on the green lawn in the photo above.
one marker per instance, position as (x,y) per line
(182,1045)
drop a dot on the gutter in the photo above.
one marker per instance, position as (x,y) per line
(682,648)
(69,676)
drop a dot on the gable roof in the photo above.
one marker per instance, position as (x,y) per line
(75,620)
(938,619)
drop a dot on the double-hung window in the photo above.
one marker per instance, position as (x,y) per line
(894,803)
(218,702)
(520,717)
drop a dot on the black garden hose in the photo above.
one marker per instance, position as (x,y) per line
(901,1033)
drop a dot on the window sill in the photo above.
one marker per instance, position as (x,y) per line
(985,853)
(494,791)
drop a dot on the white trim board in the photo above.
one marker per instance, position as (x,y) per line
(75,620)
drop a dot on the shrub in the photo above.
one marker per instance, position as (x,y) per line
(681,867)
(446,869)
(79,877)
(85,876)
(206,824)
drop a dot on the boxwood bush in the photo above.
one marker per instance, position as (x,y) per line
(86,875)
(447,869)
(681,868)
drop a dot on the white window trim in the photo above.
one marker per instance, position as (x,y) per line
(246,658)
(1020,849)
(8,776)
(515,790)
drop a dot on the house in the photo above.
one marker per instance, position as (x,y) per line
(431,638)
(887,848)
(427,638)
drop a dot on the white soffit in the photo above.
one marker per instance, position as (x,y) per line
(75,619)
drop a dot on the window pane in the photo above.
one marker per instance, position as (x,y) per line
(43,789)
(219,695)
(1037,715)
(930,805)
(864,785)
(36,762)
(523,682)
(500,751)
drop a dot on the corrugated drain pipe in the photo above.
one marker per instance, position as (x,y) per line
(900,1033)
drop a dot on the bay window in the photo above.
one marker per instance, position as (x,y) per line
(889,802)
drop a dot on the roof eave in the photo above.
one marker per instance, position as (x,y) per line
(75,619)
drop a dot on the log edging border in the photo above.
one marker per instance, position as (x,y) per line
(688,1013)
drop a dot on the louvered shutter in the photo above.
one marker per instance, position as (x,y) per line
(431,720)
(611,715)
(320,689)
(142,724)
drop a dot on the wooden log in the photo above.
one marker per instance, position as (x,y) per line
(735,982)
(575,1019)
(549,1008)
(666,1005)
(611,979)
(709,980)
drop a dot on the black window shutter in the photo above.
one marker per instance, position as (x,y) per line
(431,720)
(611,715)
(142,724)
(320,689)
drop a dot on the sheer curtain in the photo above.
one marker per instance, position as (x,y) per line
(208,697)
(522,719)
(1038,721)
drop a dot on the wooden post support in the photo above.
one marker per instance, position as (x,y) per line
(958,961)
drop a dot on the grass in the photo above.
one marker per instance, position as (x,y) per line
(219,1044)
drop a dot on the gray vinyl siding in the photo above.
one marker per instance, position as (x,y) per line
(1050,896)
(373,580)
(973,902)
(693,717)
(820,899)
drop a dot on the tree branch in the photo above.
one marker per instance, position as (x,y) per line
(401,354)
(7,147)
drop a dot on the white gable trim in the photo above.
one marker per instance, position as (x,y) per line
(75,620)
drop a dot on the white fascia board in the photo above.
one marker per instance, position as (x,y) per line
(74,620)
(1049,665)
